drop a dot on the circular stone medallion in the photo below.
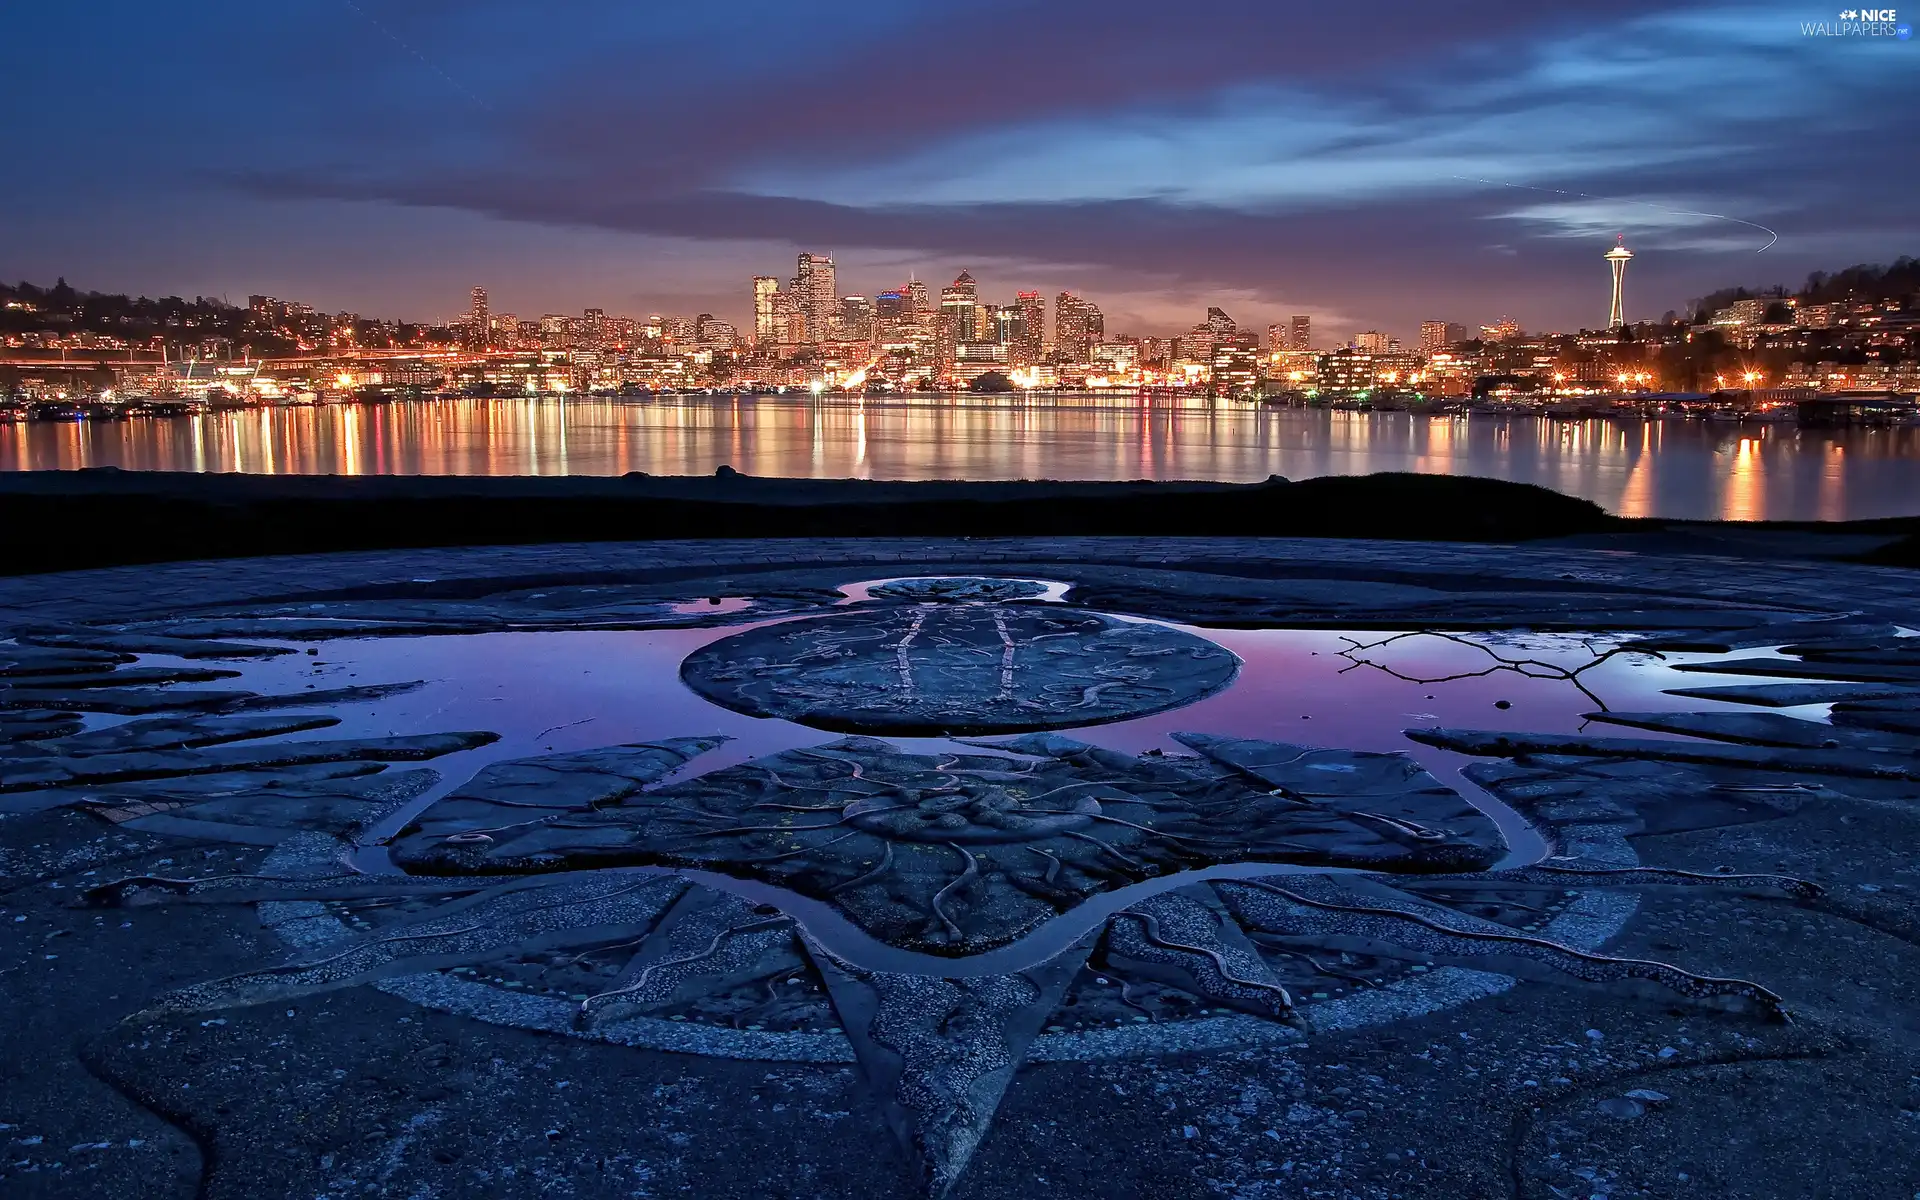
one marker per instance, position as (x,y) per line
(931,669)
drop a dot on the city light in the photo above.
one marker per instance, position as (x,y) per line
(807,337)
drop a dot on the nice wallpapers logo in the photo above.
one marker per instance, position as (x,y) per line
(1861,22)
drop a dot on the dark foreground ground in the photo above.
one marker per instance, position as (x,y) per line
(68,520)
(302,1084)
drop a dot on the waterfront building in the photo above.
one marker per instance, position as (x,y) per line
(1346,371)
(1234,369)
(1294,370)
(1120,358)
(1396,368)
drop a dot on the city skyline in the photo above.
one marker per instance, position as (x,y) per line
(379,158)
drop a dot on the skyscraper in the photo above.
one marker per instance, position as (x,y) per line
(1077,325)
(1033,328)
(479,319)
(764,289)
(856,318)
(1008,325)
(1618,258)
(1302,338)
(919,304)
(958,300)
(817,294)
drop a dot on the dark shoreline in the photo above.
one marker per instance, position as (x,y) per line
(69,520)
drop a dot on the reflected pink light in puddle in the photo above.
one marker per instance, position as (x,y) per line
(551,692)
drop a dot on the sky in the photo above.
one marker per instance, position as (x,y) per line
(1372,165)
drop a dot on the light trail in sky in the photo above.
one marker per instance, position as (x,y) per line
(1772,237)
(455,84)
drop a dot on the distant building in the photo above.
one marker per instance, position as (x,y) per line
(817,294)
(765,288)
(856,319)
(1294,370)
(1077,326)
(1742,312)
(1504,330)
(920,304)
(1033,327)
(1118,357)
(1436,336)
(956,319)
(1235,365)
(1346,372)
(477,319)
(1372,341)
(1302,338)
(714,334)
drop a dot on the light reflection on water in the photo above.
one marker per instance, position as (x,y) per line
(551,692)
(1673,469)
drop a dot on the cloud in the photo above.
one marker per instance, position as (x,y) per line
(1310,159)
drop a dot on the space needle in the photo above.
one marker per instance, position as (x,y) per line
(1617,258)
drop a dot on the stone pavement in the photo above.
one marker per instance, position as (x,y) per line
(1010,965)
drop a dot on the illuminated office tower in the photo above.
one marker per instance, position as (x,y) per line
(892,314)
(1302,338)
(765,287)
(1077,326)
(1033,328)
(477,319)
(958,300)
(856,319)
(817,294)
(1617,258)
(919,304)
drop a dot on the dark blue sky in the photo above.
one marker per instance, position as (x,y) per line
(1271,157)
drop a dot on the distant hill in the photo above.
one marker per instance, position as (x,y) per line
(1862,282)
(25,307)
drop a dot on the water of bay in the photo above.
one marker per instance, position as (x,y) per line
(1673,469)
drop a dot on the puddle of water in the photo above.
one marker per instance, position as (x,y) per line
(549,692)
